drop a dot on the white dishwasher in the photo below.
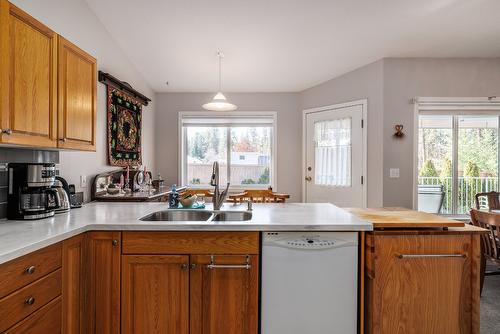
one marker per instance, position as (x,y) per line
(309,283)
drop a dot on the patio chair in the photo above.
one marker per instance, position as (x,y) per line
(259,196)
(488,201)
(490,242)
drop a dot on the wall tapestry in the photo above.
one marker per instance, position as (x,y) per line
(124,129)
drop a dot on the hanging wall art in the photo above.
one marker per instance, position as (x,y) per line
(124,118)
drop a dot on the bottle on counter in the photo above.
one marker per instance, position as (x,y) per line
(173,198)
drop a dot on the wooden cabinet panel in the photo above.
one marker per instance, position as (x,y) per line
(26,269)
(421,284)
(224,299)
(27,300)
(76,97)
(155,294)
(46,320)
(104,295)
(74,282)
(29,83)
(190,242)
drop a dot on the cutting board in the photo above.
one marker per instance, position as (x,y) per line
(403,218)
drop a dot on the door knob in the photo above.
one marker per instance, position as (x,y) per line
(308,178)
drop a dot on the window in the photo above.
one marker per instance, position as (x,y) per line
(242,143)
(457,157)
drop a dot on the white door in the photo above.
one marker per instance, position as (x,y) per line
(334,156)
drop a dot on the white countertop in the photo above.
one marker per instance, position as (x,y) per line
(18,238)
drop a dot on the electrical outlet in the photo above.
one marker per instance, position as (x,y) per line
(83,181)
(394,173)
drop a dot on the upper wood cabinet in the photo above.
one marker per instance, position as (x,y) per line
(47,86)
(28,85)
(76,97)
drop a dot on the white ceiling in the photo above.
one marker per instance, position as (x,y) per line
(289,45)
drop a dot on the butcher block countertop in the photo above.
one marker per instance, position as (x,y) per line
(403,218)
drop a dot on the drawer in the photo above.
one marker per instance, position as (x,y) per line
(46,320)
(190,243)
(27,300)
(411,245)
(20,272)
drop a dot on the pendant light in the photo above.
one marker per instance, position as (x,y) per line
(219,101)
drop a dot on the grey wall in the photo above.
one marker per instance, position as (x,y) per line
(405,78)
(363,83)
(75,21)
(289,125)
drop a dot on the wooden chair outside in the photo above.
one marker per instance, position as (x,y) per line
(259,196)
(198,192)
(490,242)
(488,201)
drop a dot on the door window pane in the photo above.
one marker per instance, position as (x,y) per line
(332,166)
(251,156)
(435,147)
(477,158)
(204,145)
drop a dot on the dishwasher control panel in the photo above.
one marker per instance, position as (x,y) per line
(308,240)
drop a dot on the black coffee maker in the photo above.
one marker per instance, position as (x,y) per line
(30,194)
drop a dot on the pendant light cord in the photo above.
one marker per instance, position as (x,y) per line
(220,70)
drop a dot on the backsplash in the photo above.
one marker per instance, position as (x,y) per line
(19,155)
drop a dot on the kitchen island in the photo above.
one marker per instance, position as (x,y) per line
(101,269)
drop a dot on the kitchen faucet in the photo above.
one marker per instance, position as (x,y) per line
(219,196)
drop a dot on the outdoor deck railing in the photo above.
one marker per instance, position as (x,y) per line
(468,187)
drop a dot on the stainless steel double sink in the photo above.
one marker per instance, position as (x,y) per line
(197,215)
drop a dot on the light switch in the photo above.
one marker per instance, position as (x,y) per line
(394,173)
(83,181)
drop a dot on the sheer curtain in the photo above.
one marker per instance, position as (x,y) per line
(333,152)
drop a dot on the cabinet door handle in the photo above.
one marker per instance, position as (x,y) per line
(229,266)
(30,301)
(63,139)
(7,131)
(115,242)
(412,256)
(212,264)
(30,270)
(184,266)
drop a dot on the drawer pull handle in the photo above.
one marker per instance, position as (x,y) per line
(7,131)
(212,265)
(30,301)
(30,270)
(410,256)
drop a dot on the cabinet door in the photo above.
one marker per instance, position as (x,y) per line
(28,85)
(224,299)
(77,97)
(422,284)
(155,294)
(104,296)
(74,283)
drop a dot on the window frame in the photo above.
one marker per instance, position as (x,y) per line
(182,153)
(455,107)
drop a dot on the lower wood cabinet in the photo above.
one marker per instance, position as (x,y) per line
(224,294)
(104,256)
(199,290)
(155,294)
(422,282)
(74,284)
(46,320)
